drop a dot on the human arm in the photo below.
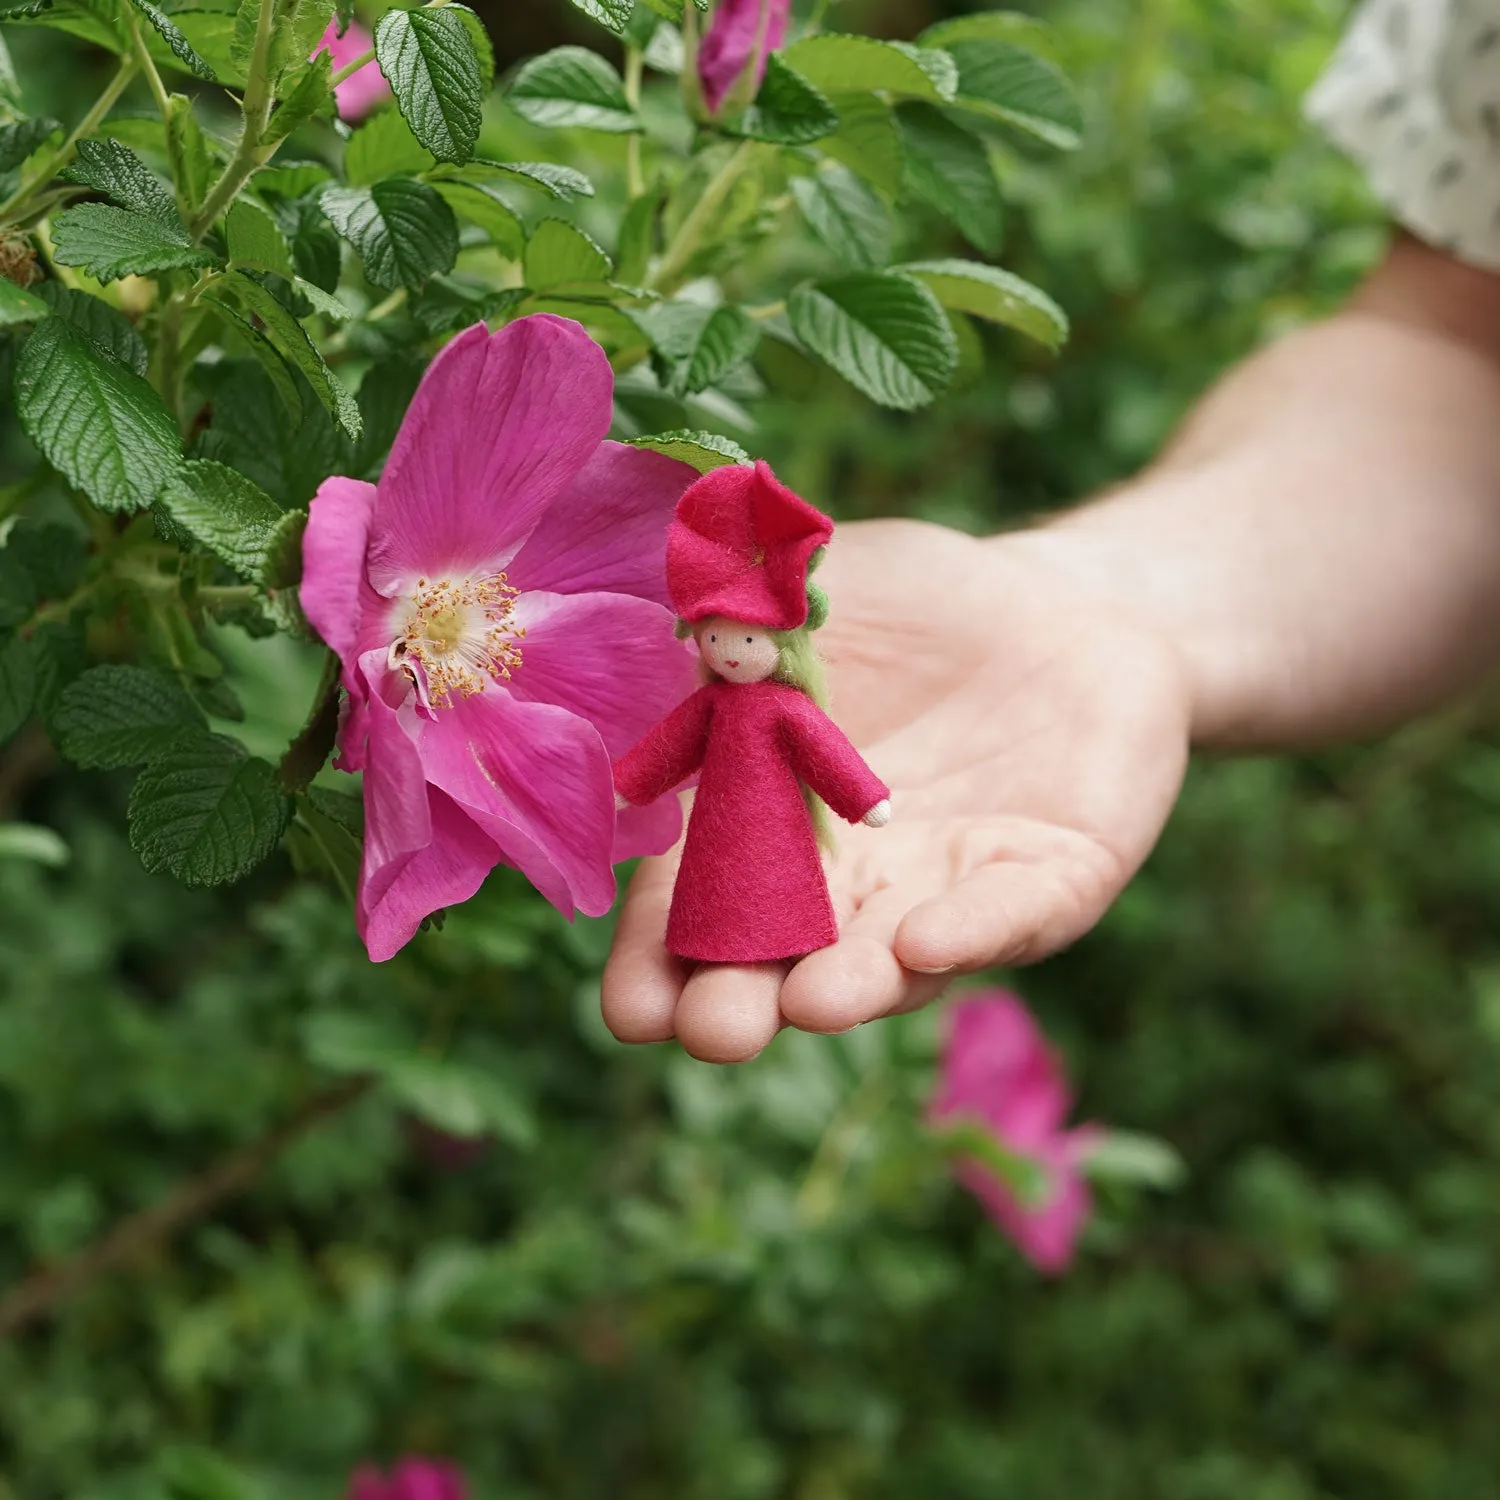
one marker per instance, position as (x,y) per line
(666,755)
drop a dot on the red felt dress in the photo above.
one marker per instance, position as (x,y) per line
(751,887)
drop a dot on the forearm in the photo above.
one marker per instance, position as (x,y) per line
(1322,541)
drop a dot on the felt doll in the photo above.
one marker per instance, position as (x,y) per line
(751,887)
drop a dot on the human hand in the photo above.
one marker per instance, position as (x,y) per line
(879,815)
(1035,741)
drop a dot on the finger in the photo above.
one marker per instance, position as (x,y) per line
(642,981)
(859,977)
(1004,913)
(729,1012)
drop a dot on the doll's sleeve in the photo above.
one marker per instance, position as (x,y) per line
(668,754)
(822,756)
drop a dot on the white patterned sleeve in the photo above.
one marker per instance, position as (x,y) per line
(1413,95)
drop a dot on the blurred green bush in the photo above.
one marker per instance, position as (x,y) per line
(668,1280)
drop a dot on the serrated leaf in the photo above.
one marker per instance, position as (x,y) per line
(614,14)
(668,10)
(1010,84)
(788,110)
(558,252)
(484,49)
(281,561)
(251,333)
(306,95)
(116,716)
(19,138)
(883,332)
(562,183)
(994,26)
(17,305)
(990,293)
(638,234)
(97,423)
(949,167)
(447,304)
(177,43)
(255,240)
(112,168)
(704,451)
(384,395)
(403,231)
(10,85)
(840,63)
(384,146)
(210,33)
(847,216)
(34,843)
(476,203)
(322,302)
(316,251)
(208,815)
(292,342)
(110,242)
(428,57)
(188,152)
(867,141)
(571,86)
(18,684)
(106,326)
(225,512)
(697,344)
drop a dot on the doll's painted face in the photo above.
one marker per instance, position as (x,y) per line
(735,651)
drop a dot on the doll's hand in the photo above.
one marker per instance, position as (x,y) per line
(1036,741)
(879,815)
(621,802)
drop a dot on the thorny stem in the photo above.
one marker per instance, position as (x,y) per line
(635,180)
(256,105)
(148,67)
(64,153)
(350,69)
(140,1233)
(690,232)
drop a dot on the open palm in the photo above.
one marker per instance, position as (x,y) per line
(1034,743)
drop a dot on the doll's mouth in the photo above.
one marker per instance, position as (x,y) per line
(731,665)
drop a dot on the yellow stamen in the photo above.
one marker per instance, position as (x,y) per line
(463,635)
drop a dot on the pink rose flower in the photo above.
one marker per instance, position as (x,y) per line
(366,87)
(999,1073)
(411,1479)
(741,36)
(499,606)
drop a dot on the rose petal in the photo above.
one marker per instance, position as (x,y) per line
(537,771)
(652,829)
(334,591)
(608,529)
(499,426)
(609,658)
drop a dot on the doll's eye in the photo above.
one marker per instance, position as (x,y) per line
(713,640)
(749,640)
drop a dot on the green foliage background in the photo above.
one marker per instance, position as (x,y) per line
(662,1279)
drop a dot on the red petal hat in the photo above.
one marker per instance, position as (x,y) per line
(740,546)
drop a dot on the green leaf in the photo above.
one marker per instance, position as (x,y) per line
(207,815)
(112,168)
(225,512)
(1007,83)
(109,328)
(484,49)
(384,146)
(10,85)
(251,333)
(638,234)
(384,395)
(994,26)
(308,96)
(704,451)
(255,240)
(291,341)
(1138,1160)
(116,716)
(19,138)
(557,253)
(429,58)
(97,423)
(611,13)
(280,563)
(298,27)
(52,557)
(460,1099)
(328,306)
(479,205)
(949,167)
(884,333)
(838,63)
(33,843)
(847,216)
(698,344)
(562,183)
(187,149)
(1024,1176)
(996,295)
(404,232)
(316,252)
(18,685)
(210,33)
(867,141)
(177,43)
(17,305)
(787,111)
(112,242)
(571,86)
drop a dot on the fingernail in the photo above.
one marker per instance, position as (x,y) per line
(941,969)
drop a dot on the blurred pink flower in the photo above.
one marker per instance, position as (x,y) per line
(999,1073)
(499,605)
(742,34)
(363,89)
(411,1479)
